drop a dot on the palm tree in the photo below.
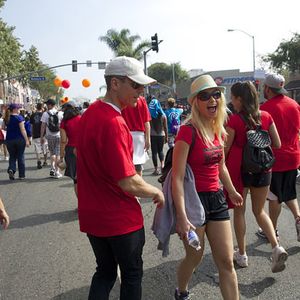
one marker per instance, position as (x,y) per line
(122,43)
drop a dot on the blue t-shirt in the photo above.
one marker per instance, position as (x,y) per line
(173,113)
(13,129)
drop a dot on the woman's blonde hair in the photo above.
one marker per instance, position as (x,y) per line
(218,123)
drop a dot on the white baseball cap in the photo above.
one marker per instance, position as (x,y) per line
(276,81)
(129,67)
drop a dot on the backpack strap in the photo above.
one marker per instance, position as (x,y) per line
(193,137)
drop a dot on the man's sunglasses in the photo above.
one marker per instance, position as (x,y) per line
(135,85)
(205,96)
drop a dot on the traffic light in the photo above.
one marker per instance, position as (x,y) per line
(74,65)
(154,42)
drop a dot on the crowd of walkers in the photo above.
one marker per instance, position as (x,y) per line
(117,131)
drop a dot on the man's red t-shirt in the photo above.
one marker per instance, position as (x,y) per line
(285,113)
(137,116)
(71,127)
(104,157)
(203,160)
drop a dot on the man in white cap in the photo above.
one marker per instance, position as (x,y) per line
(286,115)
(108,185)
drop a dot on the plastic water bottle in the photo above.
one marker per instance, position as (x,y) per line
(193,240)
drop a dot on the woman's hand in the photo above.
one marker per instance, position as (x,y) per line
(183,226)
(4,218)
(236,198)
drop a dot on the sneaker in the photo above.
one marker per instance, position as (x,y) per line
(11,174)
(261,234)
(6,158)
(52,173)
(279,257)
(45,163)
(241,260)
(22,178)
(58,175)
(39,164)
(182,295)
(297,224)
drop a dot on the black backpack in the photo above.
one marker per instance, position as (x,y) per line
(258,156)
(53,122)
(169,157)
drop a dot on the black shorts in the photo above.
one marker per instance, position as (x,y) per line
(70,159)
(283,185)
(215,206)
(256,180)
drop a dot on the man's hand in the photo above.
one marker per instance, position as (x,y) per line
(159,199)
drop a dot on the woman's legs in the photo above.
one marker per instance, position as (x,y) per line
(154,150)
(220,238)
(240,224)
(190,262)
(160,148)
(258,199)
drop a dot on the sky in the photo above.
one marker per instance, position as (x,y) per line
(194,32)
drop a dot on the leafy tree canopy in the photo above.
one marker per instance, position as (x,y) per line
(10,49)
(122,43)
(163,73)
(286,56)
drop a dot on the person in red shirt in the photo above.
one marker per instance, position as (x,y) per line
(68,139)
(285,113)
(108,185)
(138,121)
(245,102)
(207,163)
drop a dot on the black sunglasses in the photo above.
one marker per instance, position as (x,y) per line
(205,96)
(135,85)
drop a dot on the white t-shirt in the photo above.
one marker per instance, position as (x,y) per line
(45,118)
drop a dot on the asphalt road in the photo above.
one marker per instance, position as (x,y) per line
(43,255)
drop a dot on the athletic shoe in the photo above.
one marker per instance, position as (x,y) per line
(261,234)
(58,175)
(21,178)
(241,260)
(39,164)
(45,164)
(6,158)
(52,173)
(279,257)
(182,295)
(297,224)
(11,174)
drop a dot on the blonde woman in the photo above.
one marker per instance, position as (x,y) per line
(207,162)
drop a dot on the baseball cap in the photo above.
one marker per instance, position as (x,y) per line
(13,106)
(275,81)
(70,103)
(129,67)
(50,101)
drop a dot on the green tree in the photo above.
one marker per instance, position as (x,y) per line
(163,73)
(30,62)
(10,50)
(287,55)
(122,43)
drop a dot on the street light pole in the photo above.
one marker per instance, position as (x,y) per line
(253,44)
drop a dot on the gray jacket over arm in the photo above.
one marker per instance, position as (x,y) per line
(164,222)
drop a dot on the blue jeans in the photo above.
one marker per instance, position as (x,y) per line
(16,150)
(125,251)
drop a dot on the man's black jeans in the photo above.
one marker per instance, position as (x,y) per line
(123,250)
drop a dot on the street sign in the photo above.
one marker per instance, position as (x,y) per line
(37,78)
